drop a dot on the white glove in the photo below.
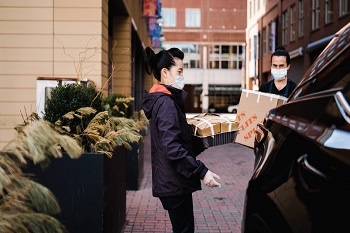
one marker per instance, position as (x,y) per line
(210,179)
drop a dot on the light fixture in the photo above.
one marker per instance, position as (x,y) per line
(162,38)
(160,21)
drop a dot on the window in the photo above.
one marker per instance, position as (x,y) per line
(250,9)
(252,49)
(191,51)
(328,11)
(169,17)
(301,18)
(264,40)
(193,17)
(225,57)
(254,4)
(292,23)
(272,33)
(344,7)
(315,14)
(284,27)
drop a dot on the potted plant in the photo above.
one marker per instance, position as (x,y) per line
(92,189)
(121,105)
(25,205)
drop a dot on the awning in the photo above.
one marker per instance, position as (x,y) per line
(220,90)
(318,44)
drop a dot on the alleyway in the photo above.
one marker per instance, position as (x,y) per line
(216,210)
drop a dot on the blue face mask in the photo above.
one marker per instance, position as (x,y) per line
(179,82)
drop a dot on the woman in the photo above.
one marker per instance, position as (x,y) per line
(176,173)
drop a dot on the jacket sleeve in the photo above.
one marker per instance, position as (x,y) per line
(198,145)
(171,141)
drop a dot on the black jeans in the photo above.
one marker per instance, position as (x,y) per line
(180,209)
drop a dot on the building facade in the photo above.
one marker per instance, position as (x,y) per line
(303,27)
(45,40)
(211,33)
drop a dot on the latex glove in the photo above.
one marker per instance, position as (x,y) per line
(210,179)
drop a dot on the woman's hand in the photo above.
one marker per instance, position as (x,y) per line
(210,179)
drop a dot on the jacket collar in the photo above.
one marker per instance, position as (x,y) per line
(159,88)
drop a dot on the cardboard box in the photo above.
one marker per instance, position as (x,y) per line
(228,125)
(204,125)
(214,129)
(252,109)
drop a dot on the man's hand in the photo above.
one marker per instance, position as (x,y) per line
(210,179)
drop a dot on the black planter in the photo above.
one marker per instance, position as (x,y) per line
(91,190)
(134,166)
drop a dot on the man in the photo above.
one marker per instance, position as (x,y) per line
(280,84)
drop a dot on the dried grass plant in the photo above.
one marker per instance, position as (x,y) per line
(103,133)
(27,206)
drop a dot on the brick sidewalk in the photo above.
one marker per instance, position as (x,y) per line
(216,210)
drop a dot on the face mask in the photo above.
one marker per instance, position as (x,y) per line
(179,82)
(279,74)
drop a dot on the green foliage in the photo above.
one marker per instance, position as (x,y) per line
(119,105)
(70,97)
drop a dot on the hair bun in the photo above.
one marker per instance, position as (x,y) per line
(280,48)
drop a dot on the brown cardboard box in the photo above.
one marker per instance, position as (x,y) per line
(228,125)
(252,109)
(204,126)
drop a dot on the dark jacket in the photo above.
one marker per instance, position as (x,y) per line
(175,170)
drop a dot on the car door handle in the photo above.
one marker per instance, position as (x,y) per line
(310,177)
(305,163)
(343,106)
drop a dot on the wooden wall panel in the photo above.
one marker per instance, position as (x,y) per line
(33,34)
(122,55)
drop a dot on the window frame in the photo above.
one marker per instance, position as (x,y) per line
(264,40)
(301,18)
(292,24)
(191,20)
(343,4)
(328,11)
(315,14)
(231,60)
(171,16)
(285,27)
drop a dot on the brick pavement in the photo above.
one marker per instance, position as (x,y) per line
(216,210)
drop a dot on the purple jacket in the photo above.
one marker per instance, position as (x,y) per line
(175,170)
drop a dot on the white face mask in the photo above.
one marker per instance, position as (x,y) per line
(179,82)
(279,74)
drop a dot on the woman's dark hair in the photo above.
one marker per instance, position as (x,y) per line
(154,63)
(280,51)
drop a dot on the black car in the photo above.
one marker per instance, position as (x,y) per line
(301,179)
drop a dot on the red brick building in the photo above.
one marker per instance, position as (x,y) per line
(212,35)
(303,27)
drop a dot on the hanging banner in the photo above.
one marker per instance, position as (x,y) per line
(150,8)
(156,42)
(154,29)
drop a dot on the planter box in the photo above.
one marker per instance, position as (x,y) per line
(134,166)
(91,190)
